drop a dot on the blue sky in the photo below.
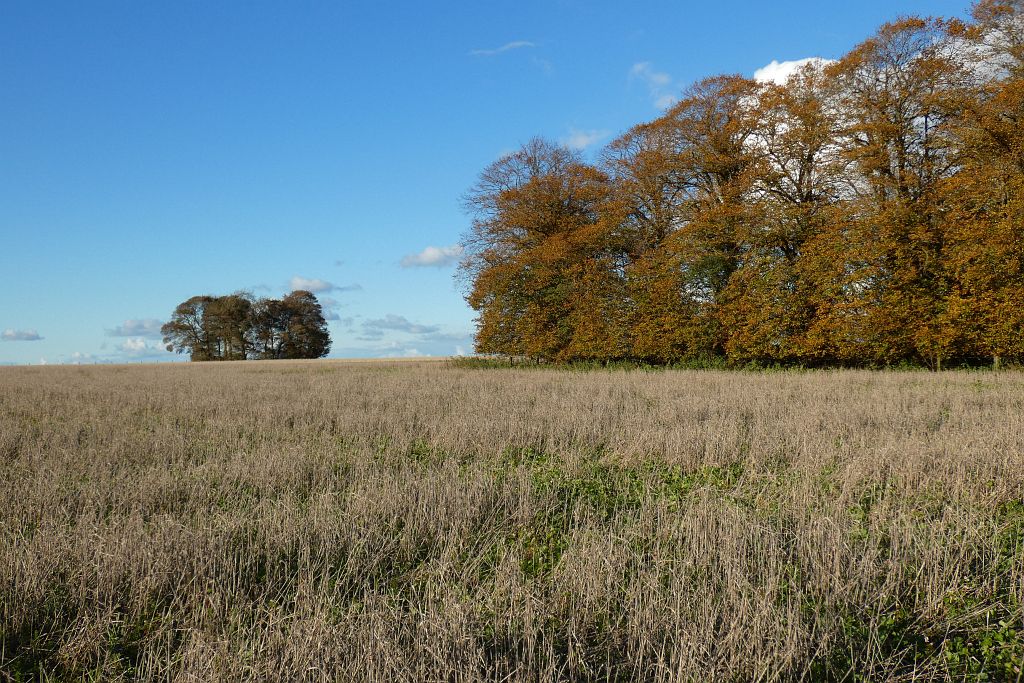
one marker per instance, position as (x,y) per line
(153,151)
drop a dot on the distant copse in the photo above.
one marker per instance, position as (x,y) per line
(239,327)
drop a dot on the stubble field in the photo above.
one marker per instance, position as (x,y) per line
(429,522)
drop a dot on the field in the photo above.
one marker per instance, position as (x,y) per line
(431,522)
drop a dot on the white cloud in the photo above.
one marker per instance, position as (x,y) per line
(437,257)
(780,72)
(78,357)
(134,345)
(137,347)
(314,285)
(395,349)
(514,45)
(149,328)
(659,84)
(318,286)
(581,139)
(19,335)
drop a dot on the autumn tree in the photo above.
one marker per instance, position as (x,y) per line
(653,197)
(538,220)
(796,174)
(897,139)
(682,180)
(985,219)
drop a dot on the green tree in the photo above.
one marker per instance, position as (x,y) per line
(226,321)
(235,327)
(267,327)
(185,332)
(304,327)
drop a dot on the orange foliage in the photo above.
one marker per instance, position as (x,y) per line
(866,212)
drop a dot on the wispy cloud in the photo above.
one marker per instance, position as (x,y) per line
(436,257)
(148,328)
(398,349)
(514,45)
(544,65)
(780,72)
(441,337)
(659,84)
(432,337)
(19,335)
(396,323)
(645,72)
(318,286)
(330,307)
(582,139)
(665,101)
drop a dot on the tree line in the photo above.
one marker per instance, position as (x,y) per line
(865,212)
(240,327)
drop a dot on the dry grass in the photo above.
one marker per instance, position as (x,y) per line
(422,522)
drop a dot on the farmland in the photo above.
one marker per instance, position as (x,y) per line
(427,521)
